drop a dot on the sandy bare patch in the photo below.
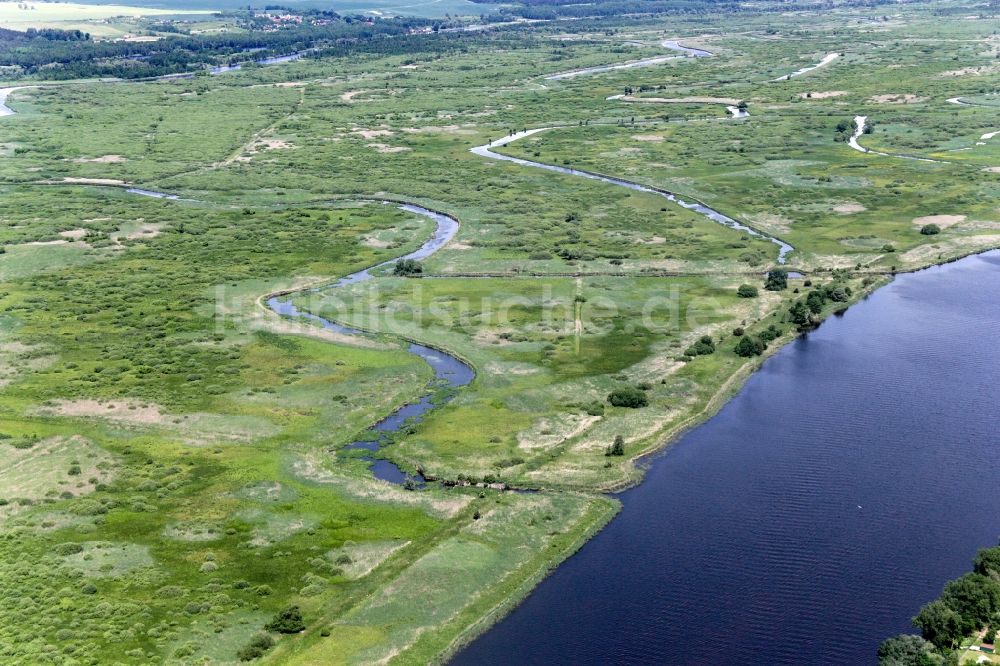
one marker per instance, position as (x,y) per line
(351,94)
(276,324)
(17,358)
(995,169)
(943,221)
(551,431)
(931,251)
(143,230)
(371,133)
(466,130)
(901,98)
(103,159)
(271,144)
(772,223)
(310,466)
(823,95)
(114,410)
(681,100)
(31,473)
(647,137)
(384,148)
(516,369)
(364,557)
(196,428)
(849,208)
(73,234)
(88,181)
(634,427)
(371,241)
(42,243)
(970,71)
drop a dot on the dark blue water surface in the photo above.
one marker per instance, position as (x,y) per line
(854,474)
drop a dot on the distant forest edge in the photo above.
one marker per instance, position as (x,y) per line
(52,54)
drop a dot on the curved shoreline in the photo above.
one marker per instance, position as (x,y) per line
(827,59)
(673,45)
(5,93)
(860,122)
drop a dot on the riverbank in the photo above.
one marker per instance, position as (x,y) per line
(779,502)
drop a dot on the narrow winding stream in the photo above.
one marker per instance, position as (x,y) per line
(449,370)
(712,214)
(646,62)
(804,523)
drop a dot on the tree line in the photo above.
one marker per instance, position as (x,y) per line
(967,605)
(60,54)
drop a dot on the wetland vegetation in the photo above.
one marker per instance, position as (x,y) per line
(180,483)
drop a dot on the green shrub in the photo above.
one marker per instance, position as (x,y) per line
(287,621)
(255,649)
(747,291)
(750,346)
(628,396)
(777,280)
(930,229)
(703,347)
(617,447)
(67,549)
(406,267)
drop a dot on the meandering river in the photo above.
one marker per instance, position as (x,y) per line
(646,62)
(853,475)
(811,517)
(448,370)
(712,214)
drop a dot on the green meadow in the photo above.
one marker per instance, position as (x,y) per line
(175,472)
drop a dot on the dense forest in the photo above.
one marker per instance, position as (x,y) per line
(56,54)
(71,54)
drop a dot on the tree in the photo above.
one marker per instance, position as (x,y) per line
(628,396)
(799,313)
(287,621)
(906,650)
(617,448)
(407,267)
(939,624)
(703,347)
(840,294)
(777,280)
(930,229)
(747,291)
(987,562)
(974,597)
(749,346)
(815,300)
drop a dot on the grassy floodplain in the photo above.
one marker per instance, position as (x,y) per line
(175,471)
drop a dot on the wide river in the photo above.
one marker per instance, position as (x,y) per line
(854,474)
